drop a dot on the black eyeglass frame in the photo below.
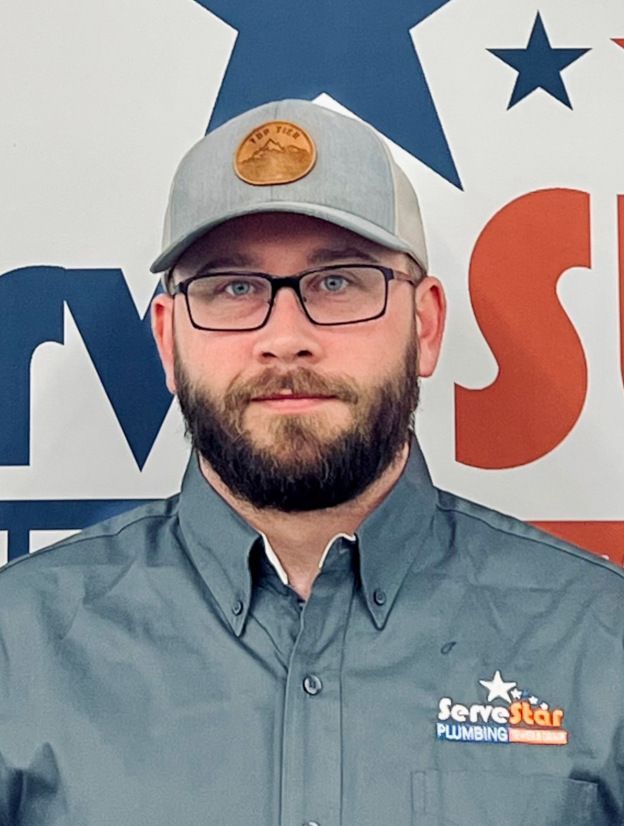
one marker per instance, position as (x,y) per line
(278,282)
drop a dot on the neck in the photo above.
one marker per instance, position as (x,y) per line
(300,538)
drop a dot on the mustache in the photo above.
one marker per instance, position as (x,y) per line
(300,382)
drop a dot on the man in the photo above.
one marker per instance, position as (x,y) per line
(310,633)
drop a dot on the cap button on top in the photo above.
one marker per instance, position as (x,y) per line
(379,596)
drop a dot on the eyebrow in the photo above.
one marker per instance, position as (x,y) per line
(226,262)
(324,255)
(328,255)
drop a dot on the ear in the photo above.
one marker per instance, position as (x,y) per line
(162,329)
(430,318)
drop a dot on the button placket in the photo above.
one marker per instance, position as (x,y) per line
(312,758)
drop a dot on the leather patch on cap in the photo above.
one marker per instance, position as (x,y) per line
(277,152)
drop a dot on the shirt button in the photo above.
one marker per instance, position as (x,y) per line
(237,608)
(312,685)
(311,823)
(379,597)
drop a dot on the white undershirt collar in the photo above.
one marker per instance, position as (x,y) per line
(279,568)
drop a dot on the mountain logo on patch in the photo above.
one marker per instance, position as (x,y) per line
(277,152)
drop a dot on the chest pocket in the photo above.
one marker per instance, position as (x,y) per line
(461,798)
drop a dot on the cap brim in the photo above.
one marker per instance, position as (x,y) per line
(168,258)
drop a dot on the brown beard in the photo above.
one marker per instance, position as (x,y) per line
(307,465)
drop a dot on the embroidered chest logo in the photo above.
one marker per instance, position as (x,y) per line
(510,714)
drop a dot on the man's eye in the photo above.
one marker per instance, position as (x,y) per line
(334,283)
(239,288)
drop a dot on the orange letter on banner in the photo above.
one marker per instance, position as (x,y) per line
(541,385)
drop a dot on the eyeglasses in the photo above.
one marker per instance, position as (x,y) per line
(329,296)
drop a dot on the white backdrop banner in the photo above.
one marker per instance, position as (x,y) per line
(507,116)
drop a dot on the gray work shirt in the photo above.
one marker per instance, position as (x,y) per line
(452,666)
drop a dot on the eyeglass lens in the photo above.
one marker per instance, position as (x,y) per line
(336,295)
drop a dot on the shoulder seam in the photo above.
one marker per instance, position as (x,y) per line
(75,540)
(570,550)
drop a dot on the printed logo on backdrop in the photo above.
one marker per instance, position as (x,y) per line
(120,346)
(281,51)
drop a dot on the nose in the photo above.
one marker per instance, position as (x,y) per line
(288,336)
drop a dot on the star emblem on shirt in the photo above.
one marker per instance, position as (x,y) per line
(498,688)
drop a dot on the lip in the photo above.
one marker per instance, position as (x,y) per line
(292,402)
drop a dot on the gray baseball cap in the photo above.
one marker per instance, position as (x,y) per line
(293,156)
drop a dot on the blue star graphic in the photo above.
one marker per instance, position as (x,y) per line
(361,54)
(539,66)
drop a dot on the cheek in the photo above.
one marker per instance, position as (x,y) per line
(377,351)
(210,360)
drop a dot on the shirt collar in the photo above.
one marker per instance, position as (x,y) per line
(219,541)
(393,538)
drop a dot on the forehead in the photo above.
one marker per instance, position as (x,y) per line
(259,240)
